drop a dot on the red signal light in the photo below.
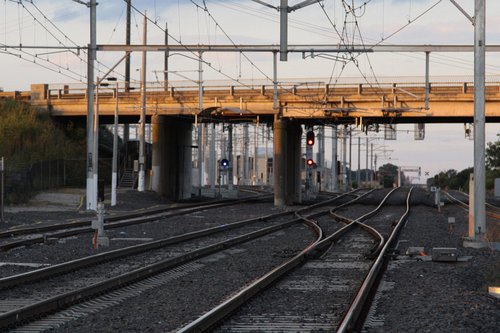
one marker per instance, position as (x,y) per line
(310,138)
(310,162)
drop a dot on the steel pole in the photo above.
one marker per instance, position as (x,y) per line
(309,155)
(358,174)
(245,143)
(256,157)
(334,159)
(91,195)
(479,120)
(212,169)
(200,126)
(127,42)
(95,148)
(275,81)
(349,180)
(165,64)
(283,30)
(427,84)
(114,175)
(142,128)
(366,172)
(344,159)
(371,162)
(321,159)
(230,157)
(264,142)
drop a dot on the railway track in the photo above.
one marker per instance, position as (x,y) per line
(27,236)
(316,289)
(491,210)
(92,276)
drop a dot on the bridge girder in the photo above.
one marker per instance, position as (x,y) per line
(395,103)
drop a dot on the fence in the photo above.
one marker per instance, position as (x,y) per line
(21,182)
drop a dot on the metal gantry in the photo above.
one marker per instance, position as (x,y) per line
(479,48)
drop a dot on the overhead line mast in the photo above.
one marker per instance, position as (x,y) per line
(284,9)
(127,42)
(91,193)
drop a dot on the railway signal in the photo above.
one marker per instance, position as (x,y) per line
(310,162)
(224,163)
(310,138)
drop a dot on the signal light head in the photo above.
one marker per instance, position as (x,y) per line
(310,138)
(224,163)
(310,162)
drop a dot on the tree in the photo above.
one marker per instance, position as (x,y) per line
(493,155)
(28,136)
(461,180)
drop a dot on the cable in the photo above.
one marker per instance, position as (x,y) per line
(300,25)
(57,39)
(191,51)
(409,22)
(230,39)
(36,63)
(116,25)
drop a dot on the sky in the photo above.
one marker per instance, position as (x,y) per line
(66,22)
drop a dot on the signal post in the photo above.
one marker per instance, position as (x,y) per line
(309,161)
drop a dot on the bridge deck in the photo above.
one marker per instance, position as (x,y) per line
(382,103)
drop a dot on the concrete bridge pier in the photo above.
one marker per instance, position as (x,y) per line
(171,160)
(287,162)
(293,164)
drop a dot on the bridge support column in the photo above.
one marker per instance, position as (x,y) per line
(287,161)
(158,158)
(279,162)
(172,143)
(293,164)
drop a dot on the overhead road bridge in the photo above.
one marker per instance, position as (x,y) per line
(444,101)
(291,104)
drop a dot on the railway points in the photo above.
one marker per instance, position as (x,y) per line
(295,259)
(236,267)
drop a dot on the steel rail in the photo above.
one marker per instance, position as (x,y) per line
(354,223)
(210,318)
(214,316)
(298,213)
(465,206)
(66,267)
(377,235)
(134,214)
(137,219)
(457,201)
(466,195)
(359,222)
(353,313)
(55,303)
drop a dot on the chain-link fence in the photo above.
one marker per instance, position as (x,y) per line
(22,181)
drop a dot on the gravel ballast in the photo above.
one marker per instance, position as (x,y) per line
(416,294)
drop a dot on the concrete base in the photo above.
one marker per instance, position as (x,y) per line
(475,244)
(102,241)
(223,194)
